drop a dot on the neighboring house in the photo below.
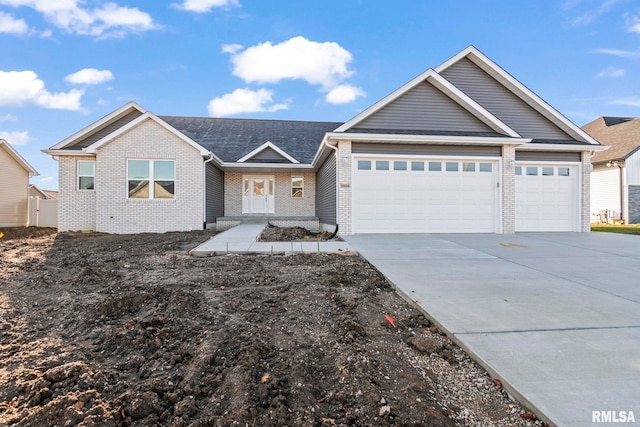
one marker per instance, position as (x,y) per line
(35,191)
(463,147)
(14,187)
(615,180)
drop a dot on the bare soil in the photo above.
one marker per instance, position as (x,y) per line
(104,330)
(293,234)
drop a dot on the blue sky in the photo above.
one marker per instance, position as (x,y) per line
(66,63)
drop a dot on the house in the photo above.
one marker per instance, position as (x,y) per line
(463,147)
(14,187)
(615,180)
(35,191)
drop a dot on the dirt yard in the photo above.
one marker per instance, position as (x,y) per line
(102,330)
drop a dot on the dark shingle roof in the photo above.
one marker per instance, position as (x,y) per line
(622,134)
(231,139)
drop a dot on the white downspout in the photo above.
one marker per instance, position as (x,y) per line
(204,191)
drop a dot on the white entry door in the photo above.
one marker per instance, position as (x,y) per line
(257,196)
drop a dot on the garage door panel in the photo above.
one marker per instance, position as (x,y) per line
(548,199)
(426,201)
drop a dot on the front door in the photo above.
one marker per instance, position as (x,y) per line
(258,194)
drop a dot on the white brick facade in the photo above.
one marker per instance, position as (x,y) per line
(76,208)
(585,198)
(345,200)
(508,189)
(108,208)
(285,205)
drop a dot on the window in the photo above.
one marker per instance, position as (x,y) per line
(518,170)
(469,167)
(486,167)
(435,166)
(417,166)
(399,165)
(151,179)
(452,167)
(563,171)
(364,165)
(532,170)
(297,185)
(86,174)
(547,171)
(382,165)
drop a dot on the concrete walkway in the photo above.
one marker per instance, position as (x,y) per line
(555,316)
(242,239)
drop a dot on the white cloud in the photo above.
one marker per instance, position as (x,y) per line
(203,6)
(109,20)
(89,76)
(231,48)
(244,101)
(618,52)
(344,94)
(45,180)
(590,15)
(8,118)
(611,72)
(632,101)
(324,64)
(24,87)
(15,138)
(8,24)
(633,24)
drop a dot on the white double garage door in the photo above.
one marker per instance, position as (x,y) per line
(460,195)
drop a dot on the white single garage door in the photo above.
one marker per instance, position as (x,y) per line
(425,195)
(546,197)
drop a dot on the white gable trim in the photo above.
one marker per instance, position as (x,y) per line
(111,117)
(18,158)
(146,116)
(520,90)
(440,83)
(263,147)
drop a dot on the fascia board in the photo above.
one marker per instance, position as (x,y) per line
(426,139)
(470,105)
(561,147)
(385,101)
(18,158)
(114,115)
(263,147)
(146,116)
(79,153)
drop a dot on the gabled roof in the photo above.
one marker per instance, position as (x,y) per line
(266,148)
(622,134)
(233,139)
(18,158)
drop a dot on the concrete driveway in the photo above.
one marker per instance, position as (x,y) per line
(555,316)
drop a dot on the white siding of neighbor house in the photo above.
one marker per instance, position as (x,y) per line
(632,165)
(116,213)
(76,208)
(14,190)
(285,205)
(605,190)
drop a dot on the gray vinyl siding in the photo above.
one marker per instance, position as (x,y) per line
(101,133)
(426,150)
(541,156)
(326,191)
(215,193)
(501,102)
(424,108)
(267,156)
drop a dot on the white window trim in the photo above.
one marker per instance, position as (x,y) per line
(78,176)
(301,187)
(151,180)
